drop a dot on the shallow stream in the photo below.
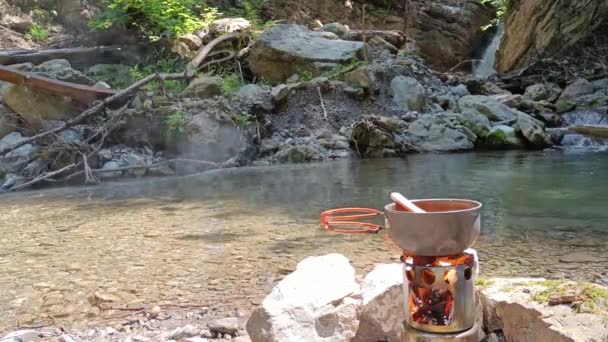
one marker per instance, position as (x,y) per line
(224,238)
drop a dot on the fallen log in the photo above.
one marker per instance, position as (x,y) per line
(595,131)
(396,38)
(82,56)
(77,92)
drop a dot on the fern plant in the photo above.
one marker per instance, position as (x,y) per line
(175,125)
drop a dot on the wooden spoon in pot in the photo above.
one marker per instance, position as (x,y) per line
(405,203)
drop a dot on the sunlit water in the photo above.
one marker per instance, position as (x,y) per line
(225,238)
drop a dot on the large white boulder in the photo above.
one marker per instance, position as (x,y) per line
(383,305)
(319,301)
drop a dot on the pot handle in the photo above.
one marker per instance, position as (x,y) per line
(329,220)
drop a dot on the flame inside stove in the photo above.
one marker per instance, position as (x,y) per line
(431,298)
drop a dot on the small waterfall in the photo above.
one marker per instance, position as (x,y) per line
(485,68)
(579,141)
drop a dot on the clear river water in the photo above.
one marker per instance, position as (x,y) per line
(224,238)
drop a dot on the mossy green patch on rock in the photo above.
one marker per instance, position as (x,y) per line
(590,298)
(565,106)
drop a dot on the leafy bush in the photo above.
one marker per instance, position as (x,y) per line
(244,119)
(232,83)
(37,33)
(175,124)
(155,18)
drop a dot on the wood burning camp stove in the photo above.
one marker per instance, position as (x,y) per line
(439,265)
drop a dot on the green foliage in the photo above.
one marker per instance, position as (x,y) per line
(307,76)
(244,120)
(251,12)
(483,283)
(37,33)
(502,7)
(175,125)
(159,63)
(231,83)
(155,18)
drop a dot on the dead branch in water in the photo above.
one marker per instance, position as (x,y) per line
(89,94)
(96,109)
(322,104)
(78,92)
(463,62)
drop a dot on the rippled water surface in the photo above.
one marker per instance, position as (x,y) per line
(224,238)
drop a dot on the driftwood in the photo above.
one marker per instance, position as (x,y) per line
(76,56)
(595,131)
(80,93)
(396,38)
(204,51)
(123,94)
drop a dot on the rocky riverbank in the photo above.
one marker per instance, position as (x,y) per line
(323,97)
(324,299)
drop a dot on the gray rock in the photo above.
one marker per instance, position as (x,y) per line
(285,50)
(227,25)
(11,180)
(268,146)
(476,122)
(251,93)
(532,130)
(280,93)
(439,133)
(25,335)
(576,89)
(362,77)
(298,154)
(136,160)
(114,74)
(105,154)
(509,305)
(338,29)
(408,93)
(370,138)
(72,136)
(379,43)
(8,121)
(111,165)
(211,139)
(460,91)
(503,137)
(486,105)
(354,92)
(204,87)
(34,168)
(61,69)
(565,106)
(34,107)
(512,101)
(102,84)
(16,160)
(334,142)
(192,41)
(543,91)
(228,326)
(183,332)
(601,84)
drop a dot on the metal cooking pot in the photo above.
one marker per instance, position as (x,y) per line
(448,227)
